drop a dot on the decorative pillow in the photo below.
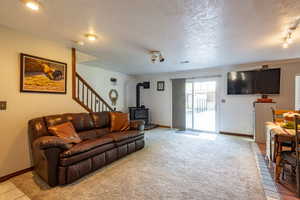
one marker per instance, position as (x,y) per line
(119,121)
(66,132)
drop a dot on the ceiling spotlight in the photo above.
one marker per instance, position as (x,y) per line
(32,4)
(153,58)
(91,37)
(161,58)
(285,45)
(156,55)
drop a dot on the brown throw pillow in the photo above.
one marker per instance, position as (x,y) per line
(119,121)
(66,132)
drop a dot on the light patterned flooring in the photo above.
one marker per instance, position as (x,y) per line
(286,188)
(8,191)
(172,166)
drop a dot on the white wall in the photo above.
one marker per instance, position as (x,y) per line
(21,107)
(99,79)
(158,102)
(236,114)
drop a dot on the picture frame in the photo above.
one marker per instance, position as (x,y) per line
(41,75)
(160,86)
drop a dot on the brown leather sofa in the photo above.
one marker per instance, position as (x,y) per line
(59,163)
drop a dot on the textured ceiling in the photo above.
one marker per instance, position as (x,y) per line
(207,33)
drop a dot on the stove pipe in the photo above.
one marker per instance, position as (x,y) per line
(138,94)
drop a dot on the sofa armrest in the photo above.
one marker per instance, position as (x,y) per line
(46,151)
(46,142)
(137,125)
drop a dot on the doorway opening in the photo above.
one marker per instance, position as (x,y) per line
(201,105)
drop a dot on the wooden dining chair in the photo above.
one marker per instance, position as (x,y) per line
(278,117)
(292,157)
(278,114)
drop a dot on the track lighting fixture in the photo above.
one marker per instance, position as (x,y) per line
(32,4)
(156,55)
(288,39)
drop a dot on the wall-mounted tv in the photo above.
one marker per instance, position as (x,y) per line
(264,81)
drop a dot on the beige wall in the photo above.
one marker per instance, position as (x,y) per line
(14,149)
(236,114)
(99,79)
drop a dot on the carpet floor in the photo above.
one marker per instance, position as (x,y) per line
(171,167)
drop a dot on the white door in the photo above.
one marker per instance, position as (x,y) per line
(201,105)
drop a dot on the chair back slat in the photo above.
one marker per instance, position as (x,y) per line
(278,114)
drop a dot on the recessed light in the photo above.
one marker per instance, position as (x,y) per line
(91,37)
(289,40)
(285,45)
(79,43)
(184,62)
(32,4)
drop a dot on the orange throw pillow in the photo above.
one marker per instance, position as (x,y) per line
(66,132)
(119,121)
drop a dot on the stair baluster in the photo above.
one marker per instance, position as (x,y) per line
(89,98)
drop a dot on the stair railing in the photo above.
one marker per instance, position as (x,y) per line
(84,94)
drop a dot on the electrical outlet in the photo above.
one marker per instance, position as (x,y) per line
(3,105)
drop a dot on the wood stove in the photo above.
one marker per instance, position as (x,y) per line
(140,112)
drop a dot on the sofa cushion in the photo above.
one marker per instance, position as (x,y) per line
(101,119)
(129,140)
(84,155)
(66,132)
(119,121)
(93,134)
(86,146)
(53,120)
(102,131)
(86,135)
(118,136)
(134,133)
(81,121)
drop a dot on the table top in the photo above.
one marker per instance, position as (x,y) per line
(276,129)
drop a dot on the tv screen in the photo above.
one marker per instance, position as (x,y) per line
(241,82)
(268,81)
(254,82)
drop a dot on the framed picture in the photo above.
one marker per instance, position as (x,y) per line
(42,75)
(160,85)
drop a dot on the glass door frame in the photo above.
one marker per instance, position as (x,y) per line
(217,101)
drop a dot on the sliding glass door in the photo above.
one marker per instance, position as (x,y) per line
(201,106)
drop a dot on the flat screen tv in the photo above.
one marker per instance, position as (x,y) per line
(265,81)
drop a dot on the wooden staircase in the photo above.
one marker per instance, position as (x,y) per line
(84,94)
